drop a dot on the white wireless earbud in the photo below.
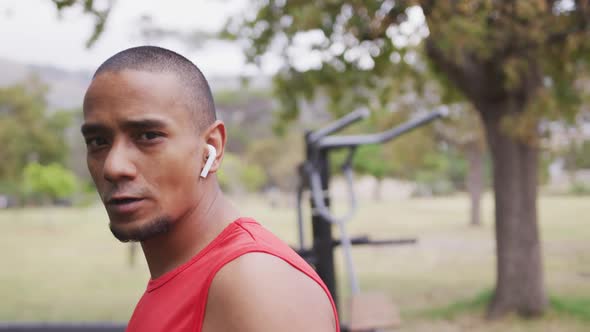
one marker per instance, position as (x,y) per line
(210,160)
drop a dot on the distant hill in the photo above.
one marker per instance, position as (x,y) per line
(66,88)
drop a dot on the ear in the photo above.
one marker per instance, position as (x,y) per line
(215,136)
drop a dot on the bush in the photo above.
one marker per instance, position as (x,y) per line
(53,182)
(582,155)
(236,175)
(278,157)
(576,155)
(580,189)
(253,178)
(226,175)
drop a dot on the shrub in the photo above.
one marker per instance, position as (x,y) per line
(53,181)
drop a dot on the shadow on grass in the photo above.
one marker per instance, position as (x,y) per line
(578,308)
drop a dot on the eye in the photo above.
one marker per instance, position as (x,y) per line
(149,136)
(96,142)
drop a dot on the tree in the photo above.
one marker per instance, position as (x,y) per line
(517,62)
(466,133)
(29,132)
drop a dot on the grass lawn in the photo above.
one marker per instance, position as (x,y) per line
(64,265)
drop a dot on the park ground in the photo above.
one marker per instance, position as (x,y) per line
(62,264)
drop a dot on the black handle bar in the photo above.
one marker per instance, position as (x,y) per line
(334,142)
(351,142)
(339,124)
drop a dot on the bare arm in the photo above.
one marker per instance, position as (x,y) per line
(259,292)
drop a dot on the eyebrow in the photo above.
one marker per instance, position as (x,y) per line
(91,128)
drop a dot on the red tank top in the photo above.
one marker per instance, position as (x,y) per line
(176,301)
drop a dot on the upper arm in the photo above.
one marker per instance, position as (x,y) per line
(260,292)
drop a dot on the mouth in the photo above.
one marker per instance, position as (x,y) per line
(123,200)
(124,205)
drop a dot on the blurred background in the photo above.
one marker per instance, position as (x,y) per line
(497,193)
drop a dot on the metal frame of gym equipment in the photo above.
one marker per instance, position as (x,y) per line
(314,176)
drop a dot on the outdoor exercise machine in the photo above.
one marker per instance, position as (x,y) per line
(368,311)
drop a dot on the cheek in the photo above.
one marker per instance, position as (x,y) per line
(92,167)
(177,180)
(95,170)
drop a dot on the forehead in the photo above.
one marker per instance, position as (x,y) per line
(133,93)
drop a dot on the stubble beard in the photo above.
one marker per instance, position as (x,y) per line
(157,226)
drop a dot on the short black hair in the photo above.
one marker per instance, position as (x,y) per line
(157,60)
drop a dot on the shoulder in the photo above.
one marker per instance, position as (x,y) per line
(261,292)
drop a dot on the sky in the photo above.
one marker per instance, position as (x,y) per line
(32,32)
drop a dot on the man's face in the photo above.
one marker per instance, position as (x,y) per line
(142,151)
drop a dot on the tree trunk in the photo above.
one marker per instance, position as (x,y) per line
(519,284)
(475,180)
(377,190)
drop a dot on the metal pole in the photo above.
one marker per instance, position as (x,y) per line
(322,232)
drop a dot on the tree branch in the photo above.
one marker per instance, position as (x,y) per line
(468,76)
(101,16)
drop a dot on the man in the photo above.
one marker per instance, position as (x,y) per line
(149,118)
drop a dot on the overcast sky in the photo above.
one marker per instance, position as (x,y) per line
(31,32)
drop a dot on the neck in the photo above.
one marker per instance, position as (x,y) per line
(190,234)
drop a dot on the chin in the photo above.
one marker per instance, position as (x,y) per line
(137,231)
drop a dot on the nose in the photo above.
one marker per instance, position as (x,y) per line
(118,165)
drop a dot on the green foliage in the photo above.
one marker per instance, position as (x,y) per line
(576,155)
(278,157)
(408,153)
(52,181)
(437,169)
(27,131)
(226,175)
(253,177)
(580,189)
(345,77)
(441,174)
(582,155)
(457,169)
(370,160)
(235,175)
(11,187)
(371,53)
